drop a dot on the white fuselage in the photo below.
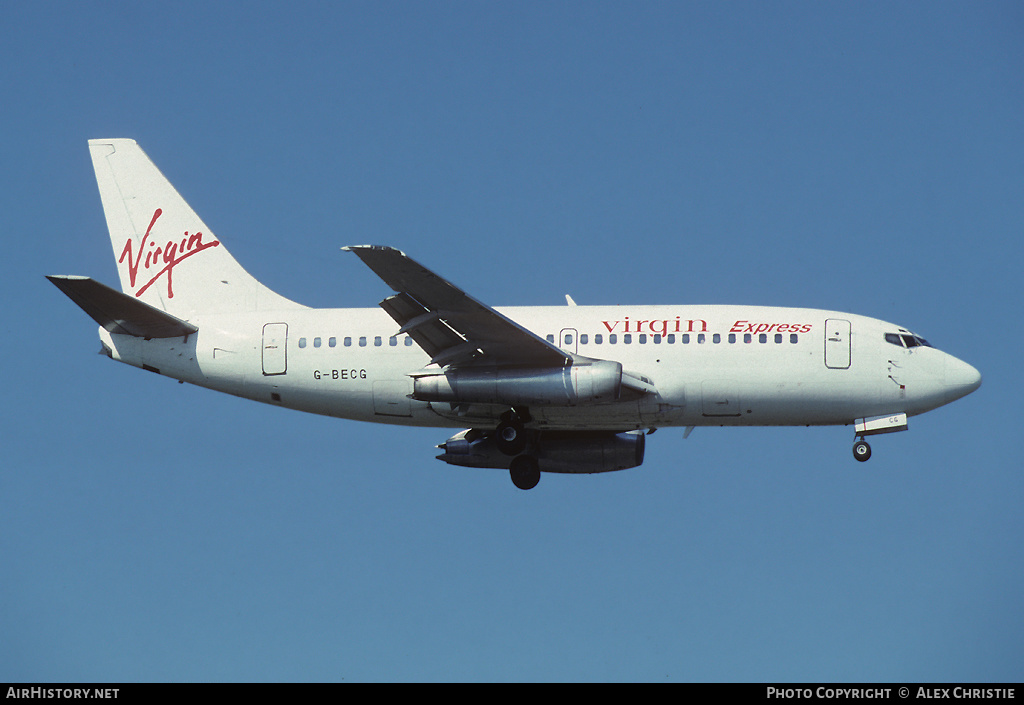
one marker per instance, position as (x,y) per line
(711,365)
(542,389)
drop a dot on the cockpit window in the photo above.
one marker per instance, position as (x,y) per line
(908,340)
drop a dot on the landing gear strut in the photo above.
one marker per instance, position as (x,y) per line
(861,450)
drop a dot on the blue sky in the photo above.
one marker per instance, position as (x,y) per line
(864,157)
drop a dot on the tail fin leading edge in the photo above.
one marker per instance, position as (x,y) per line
(166,256)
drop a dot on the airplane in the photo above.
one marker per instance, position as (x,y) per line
(558,389)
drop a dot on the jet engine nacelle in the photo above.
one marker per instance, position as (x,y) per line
(556,451)
(581,383)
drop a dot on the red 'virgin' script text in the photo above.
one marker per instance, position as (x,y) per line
(166,256)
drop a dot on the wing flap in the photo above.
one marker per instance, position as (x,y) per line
(118,312)
(425,327)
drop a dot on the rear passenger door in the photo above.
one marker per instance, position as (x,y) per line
(275,349)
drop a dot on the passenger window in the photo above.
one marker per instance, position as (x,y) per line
(686,338)
(716,338)
(701,338)
(627,338)
(670,338)
(332,342)
(348,342)
(763,338)
(748,338)
(612,339)
(568,339)
(302,342)
(732,337)
(657,338)
(377,342)
(316,342)
(583,338)
(598,339)
(362,341)
(393,341)
(551,339)
(793,337)
(778,337)
(643,339)
(408,341)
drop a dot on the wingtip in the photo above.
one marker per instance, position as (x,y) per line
(379,248)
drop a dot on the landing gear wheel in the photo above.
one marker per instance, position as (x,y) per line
(510,437)
(861,450)
(525,472)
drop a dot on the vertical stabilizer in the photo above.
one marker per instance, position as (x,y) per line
(166,256)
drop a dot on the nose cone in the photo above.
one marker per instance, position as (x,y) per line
(961,379)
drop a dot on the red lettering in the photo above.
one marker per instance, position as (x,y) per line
(748,327)
(170,254)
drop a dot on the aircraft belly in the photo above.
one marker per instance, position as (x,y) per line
(802,401)
(621,416)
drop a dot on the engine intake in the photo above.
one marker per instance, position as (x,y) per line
(592,382)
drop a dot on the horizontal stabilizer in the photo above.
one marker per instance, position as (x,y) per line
(121,313)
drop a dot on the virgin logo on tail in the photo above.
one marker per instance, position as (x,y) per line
(166,256)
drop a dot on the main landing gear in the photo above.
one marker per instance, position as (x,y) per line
(511,437)
(525,471)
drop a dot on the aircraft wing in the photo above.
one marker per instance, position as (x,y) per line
(449,324)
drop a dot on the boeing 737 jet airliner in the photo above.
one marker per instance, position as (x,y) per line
(567,389)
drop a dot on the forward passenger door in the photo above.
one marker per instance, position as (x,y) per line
(837,344)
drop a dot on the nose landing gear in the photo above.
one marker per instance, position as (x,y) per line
(872,426)
(861,450)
